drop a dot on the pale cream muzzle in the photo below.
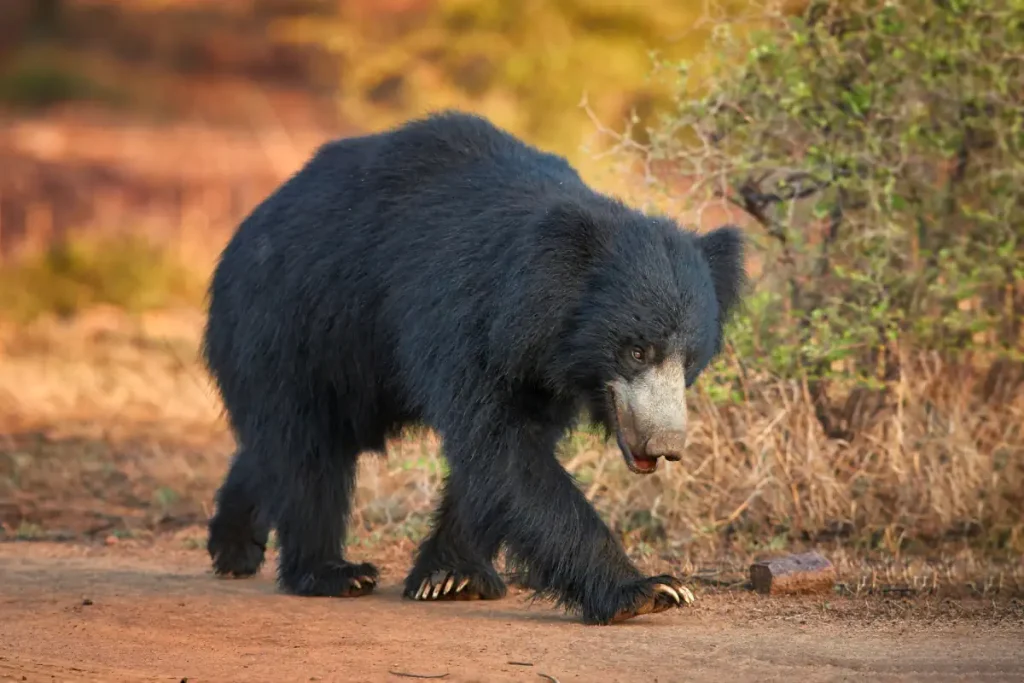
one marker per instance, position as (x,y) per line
(650,415)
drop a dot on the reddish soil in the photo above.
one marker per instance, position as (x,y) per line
(128,612)
(111,440)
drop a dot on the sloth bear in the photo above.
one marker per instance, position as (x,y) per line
(446,273)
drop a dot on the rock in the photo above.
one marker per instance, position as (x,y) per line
(793,574)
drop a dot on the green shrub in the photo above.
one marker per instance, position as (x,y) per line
(878,151)
(524,64)
(38,79)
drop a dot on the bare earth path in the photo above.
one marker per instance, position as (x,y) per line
(77,613)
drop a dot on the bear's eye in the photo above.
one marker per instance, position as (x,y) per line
(638,353)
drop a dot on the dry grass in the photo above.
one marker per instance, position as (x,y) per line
(934,466)
(111,427)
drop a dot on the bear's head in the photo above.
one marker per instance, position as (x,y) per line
(651,303)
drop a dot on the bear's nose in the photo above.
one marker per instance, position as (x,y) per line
(668,445)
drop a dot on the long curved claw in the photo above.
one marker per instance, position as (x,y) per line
(668,590)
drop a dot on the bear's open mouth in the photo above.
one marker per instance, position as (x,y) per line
(636,464)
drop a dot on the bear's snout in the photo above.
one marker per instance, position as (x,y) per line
(668,445)
(650,415)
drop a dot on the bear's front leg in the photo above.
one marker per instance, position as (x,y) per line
(449,566)
(520,493)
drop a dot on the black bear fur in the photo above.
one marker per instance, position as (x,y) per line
(448,274)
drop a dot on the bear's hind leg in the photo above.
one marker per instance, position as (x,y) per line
(237,532)
(449,566)
(312,524)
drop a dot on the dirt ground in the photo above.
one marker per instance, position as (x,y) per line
(111,449)
(77,612)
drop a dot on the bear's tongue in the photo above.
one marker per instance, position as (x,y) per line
(645,464)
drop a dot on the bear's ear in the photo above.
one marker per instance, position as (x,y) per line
(574,233)
(723,249)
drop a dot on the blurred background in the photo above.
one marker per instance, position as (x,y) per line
(173,118)
(871,399)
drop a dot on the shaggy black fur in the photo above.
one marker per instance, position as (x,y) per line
(446,273)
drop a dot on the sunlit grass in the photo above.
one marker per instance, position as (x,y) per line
(72,276)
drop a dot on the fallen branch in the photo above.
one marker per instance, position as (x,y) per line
(409,675)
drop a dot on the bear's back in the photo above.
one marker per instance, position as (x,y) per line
(448,152)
